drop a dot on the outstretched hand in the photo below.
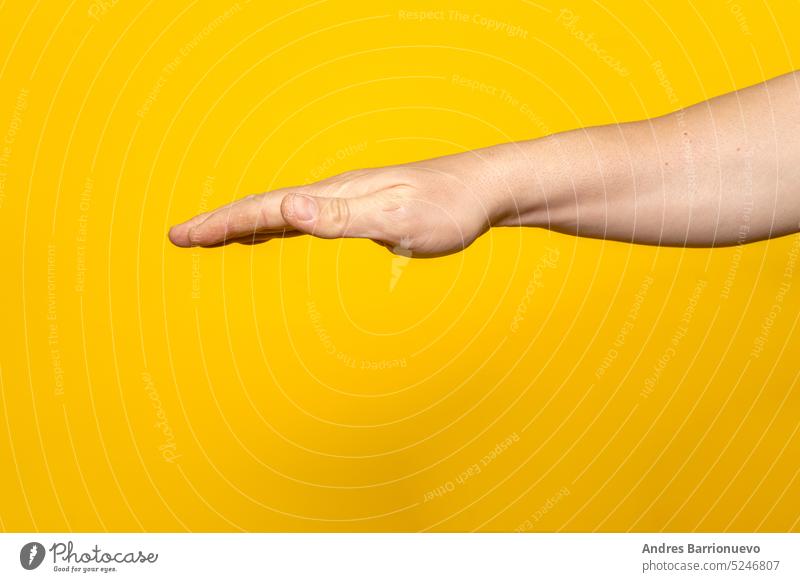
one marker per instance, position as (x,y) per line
(722,172)
(425,209)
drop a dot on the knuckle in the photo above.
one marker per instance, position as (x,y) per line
(404,222)
(263,215)
(338,211)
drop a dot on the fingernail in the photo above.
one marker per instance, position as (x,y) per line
(303,207)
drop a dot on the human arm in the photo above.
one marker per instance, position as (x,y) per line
(722,172)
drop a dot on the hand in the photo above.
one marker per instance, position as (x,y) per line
(425,209)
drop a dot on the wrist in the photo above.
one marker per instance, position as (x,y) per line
(566,179)
(527,185)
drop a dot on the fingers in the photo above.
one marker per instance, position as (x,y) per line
(341,206)
(250,239)
(257,239)
(323,217)
(259,213)
(179,234)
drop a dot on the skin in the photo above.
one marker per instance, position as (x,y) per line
(722,172)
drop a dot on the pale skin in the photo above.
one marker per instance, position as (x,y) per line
(723,172)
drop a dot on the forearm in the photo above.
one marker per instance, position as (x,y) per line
(722,172)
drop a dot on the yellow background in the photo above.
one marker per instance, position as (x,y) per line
(325,385)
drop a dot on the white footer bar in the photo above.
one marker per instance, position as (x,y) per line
(401,557)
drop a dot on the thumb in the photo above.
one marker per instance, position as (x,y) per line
(333,217)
